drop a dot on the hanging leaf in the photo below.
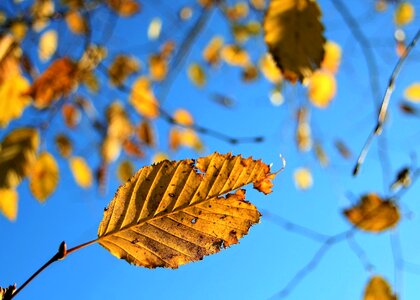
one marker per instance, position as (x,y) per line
(64,145)
(321,155)
(81,172)
(412,92)
(197,75)
(238,11)
(47,44)
(303,178)
(124,8)
(211,54)
(269,69)
(76,22)
(332,57)
(404,13)
(189,138)
(110,149)
(119,126)
(13,100)
(125,170)
(17,154)
(321,89)
(158,67)
(71,115)
(146,133)
(294,36)
(378,289)
(121,68)
(183,117)
(133,148)
(235,55)
(9,203)
(258,4)
(44,176)
(373,213)
(143,99)
(403,179)
(173,213)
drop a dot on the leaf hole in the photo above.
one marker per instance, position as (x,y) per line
(194,220)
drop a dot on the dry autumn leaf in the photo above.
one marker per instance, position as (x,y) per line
(146,133)
(76,22)
(176,212)
(378,289)
(121,68)
(64,145)
(235,55)
(81,171)
(412,92)
(44,176)
(373,213)
(9,203)
(294,35)
(143,99)
(71,115)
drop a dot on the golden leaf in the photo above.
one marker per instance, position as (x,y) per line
(158,67)
(183,117)
(303,178)
(57,80)
(110,149)
(81,171)
(41,11)
(294,35)
(71,115)
(44,176)
(119,125)
(143,99)
(17,154)
(412,92)
(18,30)
(189,138)
(124,8)
(158,157)
(64,145)
(125,170)
(121,68)
(211,54)
(9,203)
(378,289)
(258,4)
(47,45)
(13,100)
(174,138)
(269,69)
(238,11)
(373,213)
(235,55)
(404,13)
(133,148)
(332,57)
(146,133)
(173,213)
(242,32)
(10,57)
(76,22)
(321,89)
(196,74)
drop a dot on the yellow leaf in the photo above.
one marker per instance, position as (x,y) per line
(143,99)
(124,8)
(183,117)
(378,289)
(332,57)
(412,92)
(174,138)
(18,30)
(13,100)
(76,22)
(146,133)
(158,67)
(196,74)
(404,13)
(303,178)
(47,45)
(235,55)
(249,73)
(64,145)
(125,170)
(81,171)
(119,125)
(238,11)
(211,54)
(294,35)
(269,69)
(9,203)
(373,213)
(17,154)
(140,223)
(110,149)
(158,157)
(121,68)
(10,58)
(155,27)
(321,89)
(242,32)
(44,176)
(189,138)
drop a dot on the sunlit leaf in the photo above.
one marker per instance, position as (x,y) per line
(89,79)
(18,30)
(238,11)
(242,32)
(235,55)
(146,133)
(378,289)
(124,8)
(57,80)
(155,27)
(211,54)
(189,138)
(121,68)
(174,139)
(332,57)
(321,89)
(44,176)
(17,154)
(294,35)
(303,178)
(404,13)
(47,44)
(81,171)
(269,69)
(139,223)
(13,100)
(119,125)
(373,213)
(412,92)
(10,56)
(76,23)
(158,67)
(9,203)
(158,157)
(110,149)
(143,99)
(183,117)
(196,74)
(71,115)
(64,145)
(41,11)
(125,170)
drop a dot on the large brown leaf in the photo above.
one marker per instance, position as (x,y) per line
(294,35)
(176,212)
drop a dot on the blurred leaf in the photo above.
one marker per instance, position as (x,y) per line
(64,145)
(71,115)
(18,30)
(303,131)
(321,155)
(183,117)
(332,57)
(47,44)
(44,176)
(238,11)
(121,68)
(146,133)
(211,54)
(196,74)
(76,22)
(404,13)
(294,35)
(139,224)
(155,27)
(373,213)
(258,4)
(403,179)
(110,149)
(125,170)
(158,67)
(378,289)
(143,99)
(41,12)
(303,178)
(189,138)
(81,171)
(9,203)
(412,92)
(235,55)
(133,148)
(249,73)
(321,89)
(343,149)
(269,69)
(158,157)
(124,8)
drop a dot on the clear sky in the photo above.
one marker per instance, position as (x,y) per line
(267,259)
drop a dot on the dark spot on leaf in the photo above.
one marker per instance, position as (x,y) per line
(172,195)
(135,241)
(223,217)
